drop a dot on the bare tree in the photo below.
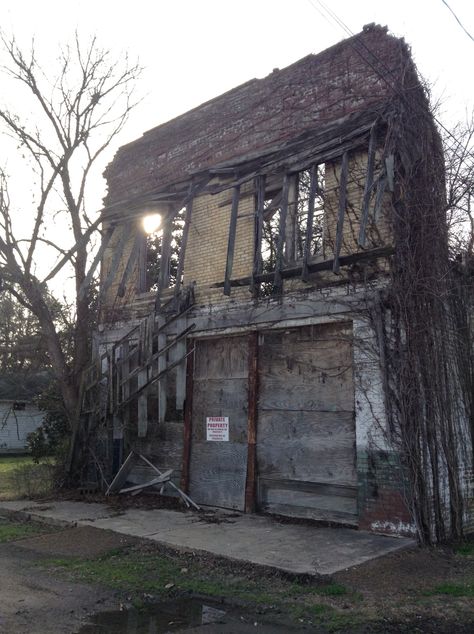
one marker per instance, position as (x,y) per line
(459,158)
(75,116)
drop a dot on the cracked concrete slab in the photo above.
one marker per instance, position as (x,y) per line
(256,539)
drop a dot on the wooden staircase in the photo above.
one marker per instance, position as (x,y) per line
(117,384)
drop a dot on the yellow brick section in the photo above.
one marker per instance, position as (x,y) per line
(206,251)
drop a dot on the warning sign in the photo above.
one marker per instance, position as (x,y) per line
(217,428)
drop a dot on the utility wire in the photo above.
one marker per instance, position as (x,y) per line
(333,16)
(458,20)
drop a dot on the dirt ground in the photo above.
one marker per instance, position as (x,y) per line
(34,602)
(395,594)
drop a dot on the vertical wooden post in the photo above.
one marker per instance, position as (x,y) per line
(162,364)
(369,180)
(257,261)
(291,219)
(313,184)
(188,423)
(342,210)
(164,275)
(251,480)
(231,239)
(180,351)
(143,380)
(277,281)
(182,251)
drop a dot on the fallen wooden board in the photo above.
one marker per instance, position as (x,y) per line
(122,473)
(164,477)
(187,500)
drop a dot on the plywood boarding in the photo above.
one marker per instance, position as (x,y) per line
(306,432)
(218,469)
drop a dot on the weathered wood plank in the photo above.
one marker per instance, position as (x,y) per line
(231,239)
(188,417)
(221,397)
(313,184)
(369,181)
(219,357)
(117,256)
(342,210)
(277,279)
(184,243)
(257,262)
(251,480)
(218,471)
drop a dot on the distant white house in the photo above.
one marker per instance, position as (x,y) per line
(17,420)
(19,416)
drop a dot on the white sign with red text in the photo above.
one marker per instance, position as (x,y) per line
(217,428)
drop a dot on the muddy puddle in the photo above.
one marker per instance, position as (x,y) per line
(185,615)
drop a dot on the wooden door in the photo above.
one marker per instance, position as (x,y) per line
(218,468)
(306,430)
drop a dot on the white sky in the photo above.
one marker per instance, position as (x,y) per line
(193,50)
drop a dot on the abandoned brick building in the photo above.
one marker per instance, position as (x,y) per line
(247,343)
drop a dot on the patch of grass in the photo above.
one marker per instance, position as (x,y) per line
(20,477)
(159,575)
(453,589)
(466,549)
(11,531)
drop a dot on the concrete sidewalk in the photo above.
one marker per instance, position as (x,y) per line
(256,539)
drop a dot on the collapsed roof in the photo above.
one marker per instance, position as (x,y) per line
(357,75)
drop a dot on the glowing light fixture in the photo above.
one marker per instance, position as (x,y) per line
(151,223)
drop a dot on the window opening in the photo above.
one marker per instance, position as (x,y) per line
(316,244)
(297,219)
(154,243)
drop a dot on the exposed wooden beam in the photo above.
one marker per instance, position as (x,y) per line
(314,267)
(251,478)
(277,279)
(164,275)
(368,186)
(342,210)
(184,242)
(231,239)
(188,413)
(257,260)
(117,256)
(133,257)
(313,184)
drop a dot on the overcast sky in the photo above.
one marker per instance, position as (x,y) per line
(193,50)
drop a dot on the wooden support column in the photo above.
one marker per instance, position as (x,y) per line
(118,253)
(182,251)
(291,219)
(231,239)
(313,185)
(180,352)
(277,279)
(188,413)
(134,256)
(161,370)
(257,261)
(369,181)
(142,379)
(342,210)
(164,275)
(251,479)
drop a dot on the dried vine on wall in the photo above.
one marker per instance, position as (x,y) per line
(427,356)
